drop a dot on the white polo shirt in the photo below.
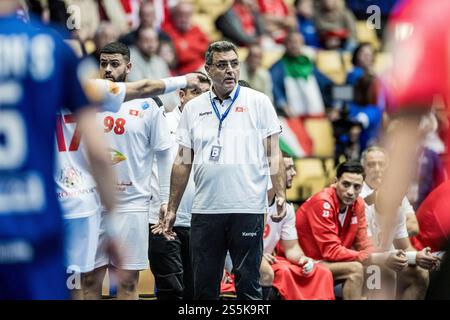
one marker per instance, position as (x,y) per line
(184,209)
(134,133)
(237,181)
(373,222)
(276,231)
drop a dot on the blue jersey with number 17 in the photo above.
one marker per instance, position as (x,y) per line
(39,75)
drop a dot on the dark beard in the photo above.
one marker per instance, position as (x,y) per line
(121,78)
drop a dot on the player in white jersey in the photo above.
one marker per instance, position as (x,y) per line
(76,188)
(137,132)
(170,260)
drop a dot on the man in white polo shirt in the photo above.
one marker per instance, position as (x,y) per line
(231,133)
(170,260)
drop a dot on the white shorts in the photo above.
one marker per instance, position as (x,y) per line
(82,235)
(132,237)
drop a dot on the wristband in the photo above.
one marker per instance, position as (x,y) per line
(411,255)
(308,266)
(174,83)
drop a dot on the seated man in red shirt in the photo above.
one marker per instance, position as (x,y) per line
(190,42)
(331,227)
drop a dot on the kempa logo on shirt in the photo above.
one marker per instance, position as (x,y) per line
(204,113)
(249,234)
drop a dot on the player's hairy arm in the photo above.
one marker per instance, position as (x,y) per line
(277,174)
(98,156)
(149,88)
(179,178)
(144,88)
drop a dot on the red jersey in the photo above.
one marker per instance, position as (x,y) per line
(434,219)
(420,44)
(321,235)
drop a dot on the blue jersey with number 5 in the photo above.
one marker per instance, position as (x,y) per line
(39,75)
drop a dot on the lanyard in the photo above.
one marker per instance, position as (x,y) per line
(225,114)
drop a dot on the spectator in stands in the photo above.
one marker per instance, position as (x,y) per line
(148,65)
(304,10)
(190,42)
(114,12)
(242,23)
(363,60)
(279,19)
(147,18)
(296,91)
(331,227)
(106,33)
(166,51)
(364,109)
(253,72)
(431,168)
(336,25)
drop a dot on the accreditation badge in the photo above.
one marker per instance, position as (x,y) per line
(215,153)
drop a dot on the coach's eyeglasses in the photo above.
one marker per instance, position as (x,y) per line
(223,65)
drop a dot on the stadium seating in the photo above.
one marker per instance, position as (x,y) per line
(330,62)
(364,34)
(309,180)
(320,131)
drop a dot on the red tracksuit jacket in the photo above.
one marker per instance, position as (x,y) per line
(320,233)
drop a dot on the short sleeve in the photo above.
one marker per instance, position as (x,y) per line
(401,231)
(159,131)
(288,231)
(269,123)
(406,207)
(112,94)
(369,211)
(183,134)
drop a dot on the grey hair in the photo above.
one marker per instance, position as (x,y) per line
(218,46)
(371,149)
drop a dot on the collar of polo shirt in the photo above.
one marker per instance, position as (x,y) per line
(230,95)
